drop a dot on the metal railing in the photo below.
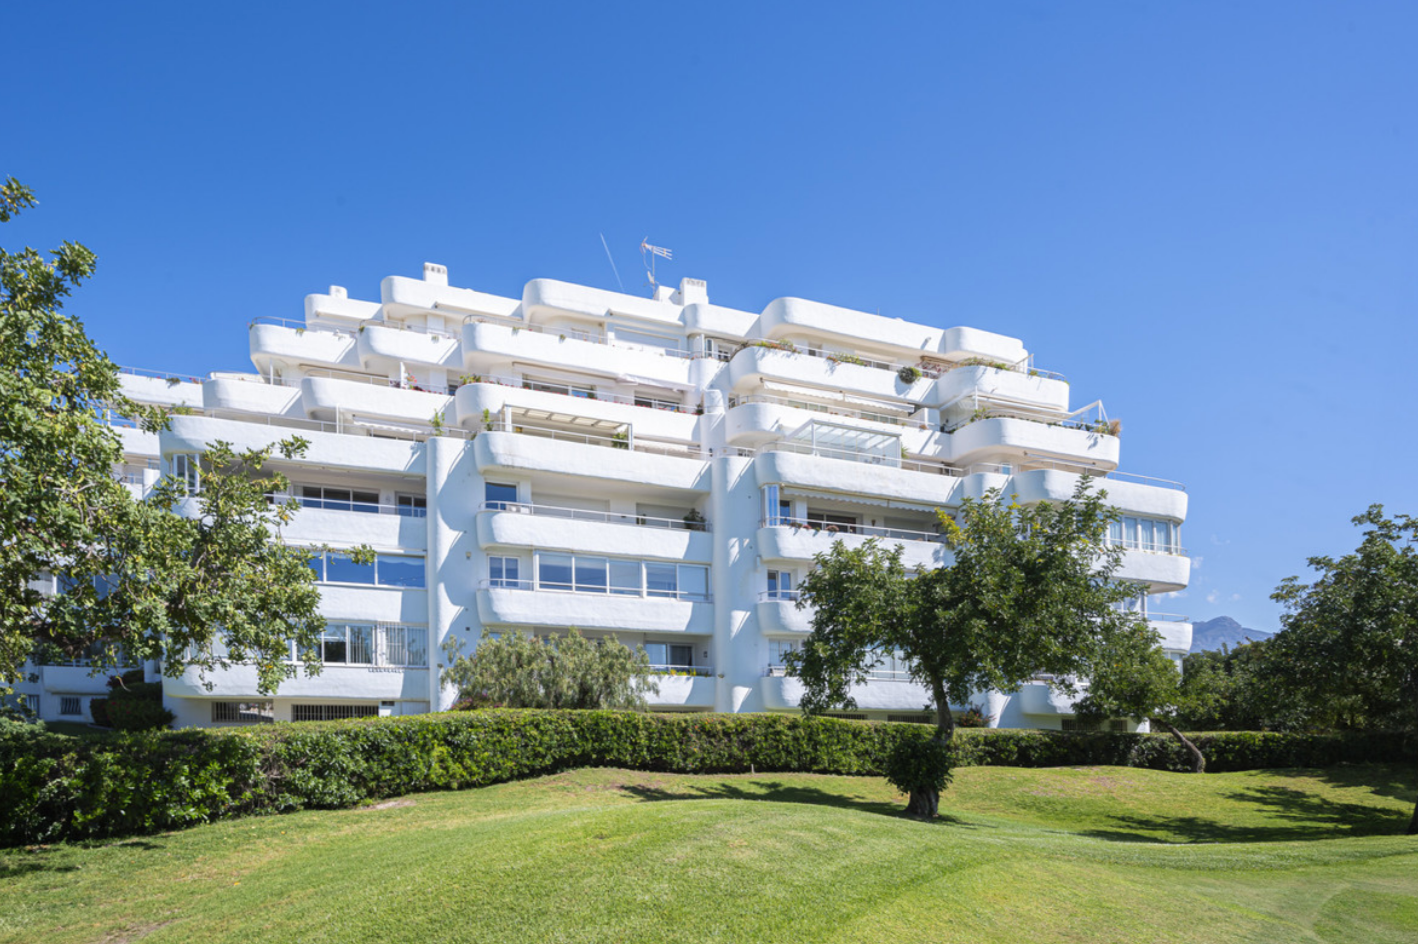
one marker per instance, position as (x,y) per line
(833,410)
(1166,617)
(873,675)
(614,442)
(869,458)
(697,671)
(374,380)
(807,524)
(517,383)
(932,370)
(1031,463)
(629,593)
(358,507)
(784,595)
(1147,547)
(605,517)
(171,378)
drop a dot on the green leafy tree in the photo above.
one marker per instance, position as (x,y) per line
(1133,678)
(138,579)
(1030,592)
(516,670)
(1350,638)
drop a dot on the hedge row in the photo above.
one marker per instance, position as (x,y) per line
(54,787)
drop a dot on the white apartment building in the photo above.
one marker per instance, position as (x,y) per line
(662,469)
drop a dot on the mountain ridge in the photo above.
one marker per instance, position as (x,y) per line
(1223,631)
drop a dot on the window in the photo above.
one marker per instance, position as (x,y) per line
(665,655)
(69,705)
(331,712)
(404,645)
(778,648)
(411,506)
(1146,534)
(832,522)
(776,509)
(503,571)
(780,585)
(565,389)
(32,705)
(187,469)
(347,643)
(386,570)
(586,574)
(499,495)
(242,712)
(339,499)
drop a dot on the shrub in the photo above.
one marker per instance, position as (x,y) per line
(908,374)
(920,766)
(54,787)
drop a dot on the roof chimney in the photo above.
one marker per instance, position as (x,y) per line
(435,274)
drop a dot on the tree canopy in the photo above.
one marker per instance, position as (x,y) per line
(136,579)
(1030,592)
(518,670)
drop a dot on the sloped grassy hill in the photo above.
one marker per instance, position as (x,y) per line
(1085,854)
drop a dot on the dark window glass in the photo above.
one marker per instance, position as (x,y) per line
(400,571)
(341,568)
(500,496)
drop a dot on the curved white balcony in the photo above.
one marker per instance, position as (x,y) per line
(1154,498)
(911,483)
(515,451)
(501,606)
(804,542)
(293,344)
(1016,385)
(754,365)
(403,296)
(685,692)
(324,397)
(1038,698)
(491,396)
(785,692)
(780,614)
(1161,572)
(382,526)
(334,681)
(1002,439)
(74,679)
(386,344)
(327,448)
(548,298)
(490,348)
(249,393)
(156,387)
(591,532)
(1175,631)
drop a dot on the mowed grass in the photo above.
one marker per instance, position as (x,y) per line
(1037,856)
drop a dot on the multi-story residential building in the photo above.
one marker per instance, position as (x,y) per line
(663,469)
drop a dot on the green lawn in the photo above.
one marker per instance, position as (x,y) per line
(1034,856)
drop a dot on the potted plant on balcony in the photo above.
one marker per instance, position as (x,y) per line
(908,374)
(694,521)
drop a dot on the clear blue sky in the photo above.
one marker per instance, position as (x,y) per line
(1204,213)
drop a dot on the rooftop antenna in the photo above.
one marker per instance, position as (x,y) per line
(647,256)
(611,260)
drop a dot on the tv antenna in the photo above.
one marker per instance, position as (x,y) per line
(647,256)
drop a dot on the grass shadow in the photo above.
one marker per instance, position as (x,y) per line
(775,791)
(1304,816)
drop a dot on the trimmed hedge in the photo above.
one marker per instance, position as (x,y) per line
(54,787)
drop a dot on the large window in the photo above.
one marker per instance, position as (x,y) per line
(499,495)
(551,386)
(69,705)
(1146,534)
(504,571)
(243,712)
(780,585)
(368,644)
(331,712)
(585,574)
(776,509)
(666,655)
(186,469)
(386,570)
(339,499)
(411,506)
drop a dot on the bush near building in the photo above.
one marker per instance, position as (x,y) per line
(54,787)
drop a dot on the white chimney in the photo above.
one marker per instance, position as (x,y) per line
(435,274)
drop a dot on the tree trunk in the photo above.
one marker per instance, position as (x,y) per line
(924,804)
(1198,758)
(1413,823)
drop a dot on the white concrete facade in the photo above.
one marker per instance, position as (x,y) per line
(662,469)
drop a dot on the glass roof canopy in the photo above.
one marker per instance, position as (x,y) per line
(828,438)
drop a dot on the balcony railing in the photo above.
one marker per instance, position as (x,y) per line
(606,517)
(895,534)
(587,336)
(172,379)
(375,380)
(870,458)
(894,419)
(873,675)
(785,595)
(1166,617)
(357,507)
(613,442)
(697,671)
(628,593)
(932,369)
(652,403)
(1030,463)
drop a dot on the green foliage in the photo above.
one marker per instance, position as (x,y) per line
(140,579)
(908,374)
(913,766)
(517,670)
(54,787)
(132,704)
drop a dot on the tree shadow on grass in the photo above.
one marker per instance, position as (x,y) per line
(23,860)
(1294,815)
(775,791)
(1393,781)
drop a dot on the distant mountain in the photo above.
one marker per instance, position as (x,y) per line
(1214,633)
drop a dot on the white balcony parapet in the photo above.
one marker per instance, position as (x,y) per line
(608,517)
(591,337)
